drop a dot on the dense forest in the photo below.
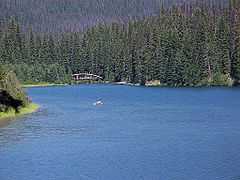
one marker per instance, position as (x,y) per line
(186,45)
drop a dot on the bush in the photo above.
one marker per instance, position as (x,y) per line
(222,80)
(11,93)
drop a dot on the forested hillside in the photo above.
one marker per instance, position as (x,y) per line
(189,45)
(75,15)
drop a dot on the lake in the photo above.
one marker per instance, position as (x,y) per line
(138,134)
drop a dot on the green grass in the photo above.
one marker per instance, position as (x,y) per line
(42,84)
(23,111)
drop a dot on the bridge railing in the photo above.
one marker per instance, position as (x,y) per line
(86,76)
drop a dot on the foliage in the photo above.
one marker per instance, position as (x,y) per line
(11,94)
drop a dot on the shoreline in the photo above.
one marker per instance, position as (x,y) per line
(29,109)
(124,83)
(42,85)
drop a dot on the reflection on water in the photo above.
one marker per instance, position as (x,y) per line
(139,133)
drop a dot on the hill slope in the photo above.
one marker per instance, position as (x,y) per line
(75,15)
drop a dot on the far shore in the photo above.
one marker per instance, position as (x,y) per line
(31,108)
(41,85)
(154,83)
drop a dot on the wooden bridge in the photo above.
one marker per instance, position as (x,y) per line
(86,77)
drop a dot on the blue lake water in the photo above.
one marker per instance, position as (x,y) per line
(138,134)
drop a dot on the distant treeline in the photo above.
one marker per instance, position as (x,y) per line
(182,46)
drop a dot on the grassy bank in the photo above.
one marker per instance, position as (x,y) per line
(22,111)
(41,85)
